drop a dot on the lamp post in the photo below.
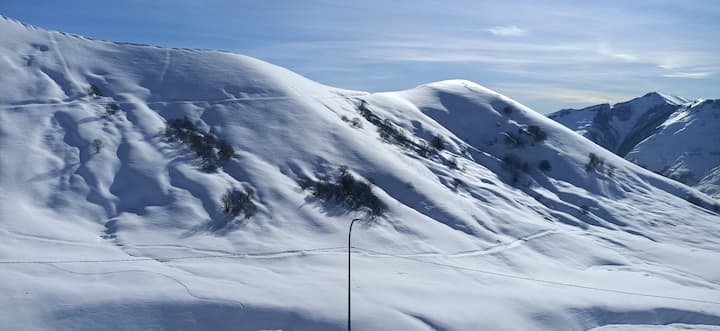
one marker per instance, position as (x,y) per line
(349,246)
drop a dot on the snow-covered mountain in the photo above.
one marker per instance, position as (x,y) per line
(669,135)
(477,212)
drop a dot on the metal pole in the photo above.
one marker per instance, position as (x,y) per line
(349,246)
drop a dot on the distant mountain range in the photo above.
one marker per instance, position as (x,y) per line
(670,135)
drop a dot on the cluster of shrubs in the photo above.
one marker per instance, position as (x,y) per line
(238,202)
(94,91)
(515,166)
(354,122)
(391,133)
(388,131)
(594,162)
(346,190)
(534,131)
(518,140)
(212,151)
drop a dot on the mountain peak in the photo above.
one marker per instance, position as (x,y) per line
(660,97)
(458,84)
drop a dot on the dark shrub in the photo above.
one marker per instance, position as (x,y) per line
(210,162)
(112,109)
(536,133)
(545,165)
(452,162)
(514,165)
(94,91)
(196,142)
(97,145)
(437,142)
(457,182)
(365,111)
(584,210)
(424,149)
(610,172)
(356,123)
(179,128)
(236,202)
(507,110)
(226,152)
(594,162)
(512,140)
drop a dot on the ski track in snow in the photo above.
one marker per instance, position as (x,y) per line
(59,54)
(469,253)
(166,64)
(28,236)
(29,104)
(185,287)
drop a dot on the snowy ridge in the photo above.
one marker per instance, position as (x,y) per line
(668,135)
(481,231)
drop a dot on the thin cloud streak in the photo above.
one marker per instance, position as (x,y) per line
(692,75)
(507,31)
(563,94)
(435,49)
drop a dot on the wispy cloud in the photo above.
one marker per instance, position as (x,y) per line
(608,51)
(578,54)
(562,94)
(692,75)
(507,31)
(439,48)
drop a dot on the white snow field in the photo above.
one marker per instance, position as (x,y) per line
(669,135)
(129,234)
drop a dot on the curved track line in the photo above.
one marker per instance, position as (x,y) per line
(174,279)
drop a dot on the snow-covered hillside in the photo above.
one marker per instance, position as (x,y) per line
(487,215)
(668,135)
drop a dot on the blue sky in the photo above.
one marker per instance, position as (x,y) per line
(545,54)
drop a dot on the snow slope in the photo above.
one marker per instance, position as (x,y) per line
(668,135)
(476,236)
